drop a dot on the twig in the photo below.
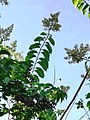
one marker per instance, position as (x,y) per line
(54,76)
(74,97)
(70,110)
(84,115)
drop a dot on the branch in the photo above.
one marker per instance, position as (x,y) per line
(84,115)
(54,76)
(74,97)
(70,110)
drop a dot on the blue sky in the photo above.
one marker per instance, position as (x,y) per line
(26,15)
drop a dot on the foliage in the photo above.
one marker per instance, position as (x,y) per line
(4,2)
(82,5)
(20,78)
(76,55)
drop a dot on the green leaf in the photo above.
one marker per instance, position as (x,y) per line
(46,54)
(35,77)
(49,47)
(47,85)
(85,7)
(39,39)
(7,80)
(4,52)
(63,95)
(43,33)
(75,2)
(88,96)
(84,12)
(33,46)
(89,14)
(31,54)
(3,111)
(40,72)
(80,6)
(88,105)
(43,62)
(51,40)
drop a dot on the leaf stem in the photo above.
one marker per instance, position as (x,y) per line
(40,51)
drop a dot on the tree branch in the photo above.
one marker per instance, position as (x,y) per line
(84,115)
(74,97)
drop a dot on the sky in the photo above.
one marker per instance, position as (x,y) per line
(26,15)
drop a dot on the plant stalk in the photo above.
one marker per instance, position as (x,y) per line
(74,97)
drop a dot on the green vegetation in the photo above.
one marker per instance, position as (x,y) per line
(20,78)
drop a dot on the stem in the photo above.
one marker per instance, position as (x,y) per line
(40,51)
(70,110)
(74,97)
(54,76)
(84,115)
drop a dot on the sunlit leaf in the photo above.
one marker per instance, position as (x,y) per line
(85,7)
(80,6)
(75,2)
(89,14)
